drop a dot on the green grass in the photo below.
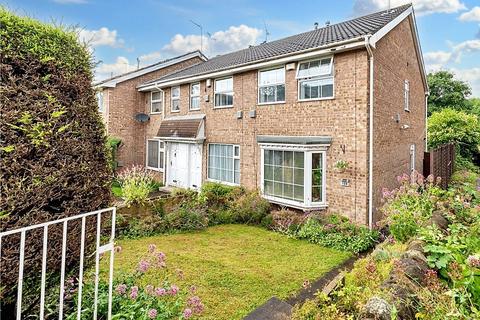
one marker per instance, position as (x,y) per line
(116,189)
(236,268)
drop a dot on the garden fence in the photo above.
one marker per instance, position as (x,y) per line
(440,162)
(99,251)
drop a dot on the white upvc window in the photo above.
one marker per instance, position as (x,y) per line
(224,163)
(195,96)
(100,103)
(224,93)
(294,176)
(406,95)
(155,155)
(315,79)
(175,97)
(156,102)
(271,86)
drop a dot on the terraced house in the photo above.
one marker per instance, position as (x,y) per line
(321,120)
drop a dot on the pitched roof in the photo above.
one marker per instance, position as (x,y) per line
(351,29)
(111,82)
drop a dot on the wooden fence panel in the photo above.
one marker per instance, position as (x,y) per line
(440,162)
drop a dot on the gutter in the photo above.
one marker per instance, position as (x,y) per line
(370,134)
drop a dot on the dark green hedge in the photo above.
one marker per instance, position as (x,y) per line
(53,160)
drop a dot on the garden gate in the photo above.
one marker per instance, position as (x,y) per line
(99,250)
(440,162)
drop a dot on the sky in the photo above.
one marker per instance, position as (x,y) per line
(123,34)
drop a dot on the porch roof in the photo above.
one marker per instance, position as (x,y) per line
(182,128)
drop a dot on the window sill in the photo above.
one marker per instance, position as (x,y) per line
(154,169)
(270,103)
(223,107)
(295,204)
(174,111)
(318,99)
(154,113)
(198,109)
(406,110)
(223,182)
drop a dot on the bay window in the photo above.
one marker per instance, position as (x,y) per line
(294,175)
(195,96)
(224,163)
(315,79)
(156,102)
(155,154)
(224,93)
(175,94)
(271,86)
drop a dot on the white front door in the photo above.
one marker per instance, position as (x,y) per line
(184,167)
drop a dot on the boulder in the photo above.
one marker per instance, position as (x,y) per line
(377,308)
(439,220)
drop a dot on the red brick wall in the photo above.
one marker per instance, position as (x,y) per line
(395,60)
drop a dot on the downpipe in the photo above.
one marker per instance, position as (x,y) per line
(370,134)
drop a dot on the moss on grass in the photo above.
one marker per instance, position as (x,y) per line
(236,267)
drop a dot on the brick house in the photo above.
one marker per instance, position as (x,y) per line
(321,120)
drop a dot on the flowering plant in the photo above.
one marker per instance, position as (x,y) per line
(137,182)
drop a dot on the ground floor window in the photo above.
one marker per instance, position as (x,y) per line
(155,154)
(294,175)
(224,163)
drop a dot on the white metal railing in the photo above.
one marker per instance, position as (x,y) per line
(99,249)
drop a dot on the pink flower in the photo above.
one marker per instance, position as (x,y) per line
(149,289)
(193,289)
(152,313)
(196,304)
(161,256)
(160,292)
(473,261)
(152,248)
(143,266)
(173,290)
(134,292)
(121,289)
(187,313)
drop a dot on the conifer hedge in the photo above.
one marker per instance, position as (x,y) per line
(53,161)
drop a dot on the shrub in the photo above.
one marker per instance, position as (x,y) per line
(136,182)
(249,208)
(338,232)
(52,148)
(135,298)
(186,218)
(409,206)
(217,194)
(287,221)
(112,145)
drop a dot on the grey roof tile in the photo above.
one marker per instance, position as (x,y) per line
(346,30)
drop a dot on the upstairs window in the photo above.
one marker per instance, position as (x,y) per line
(406,95)
(101,107)
(156,102)
(195,96)
(271,86)
(315,79)
(224,93)
(175,94)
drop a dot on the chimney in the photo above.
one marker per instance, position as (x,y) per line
(327,23)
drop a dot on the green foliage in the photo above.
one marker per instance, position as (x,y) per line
(410,206)
(249,208)
(461,128)
(136,183)
(447,92)
(334,231)
(112,146)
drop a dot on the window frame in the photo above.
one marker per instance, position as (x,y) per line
(220,92)
(172,98)
(406,96)
(273,84)
(100,98)
(330,75)
(160,150)
(307,178)
(162,99)
(192,96)
(233,164)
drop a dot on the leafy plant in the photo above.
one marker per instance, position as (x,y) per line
(136,182)
(341,165)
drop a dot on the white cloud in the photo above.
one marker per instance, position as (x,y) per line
(422,7)
(437,57)
(468,46)
(70,1)
(234,38)
(472,76)
(151,57)
(100,37)
(472,15)
(106,70)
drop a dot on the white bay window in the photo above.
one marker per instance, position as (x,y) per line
(271,86)
(224,163)
(294,175)
(315,79)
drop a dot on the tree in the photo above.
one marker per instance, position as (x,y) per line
(447,92)
(450,125)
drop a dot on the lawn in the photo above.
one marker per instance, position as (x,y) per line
(236,267)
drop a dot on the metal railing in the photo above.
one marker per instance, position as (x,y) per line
(99,250)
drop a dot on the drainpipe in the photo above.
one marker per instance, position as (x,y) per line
(165,148)
(370,134)
(427,94)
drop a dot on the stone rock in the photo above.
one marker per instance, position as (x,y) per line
(414,268)
(439,220)
(377,308)
(416,245)
(415,255)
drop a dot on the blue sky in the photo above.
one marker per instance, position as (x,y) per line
(120,31)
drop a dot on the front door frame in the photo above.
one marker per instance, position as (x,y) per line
(168,144)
